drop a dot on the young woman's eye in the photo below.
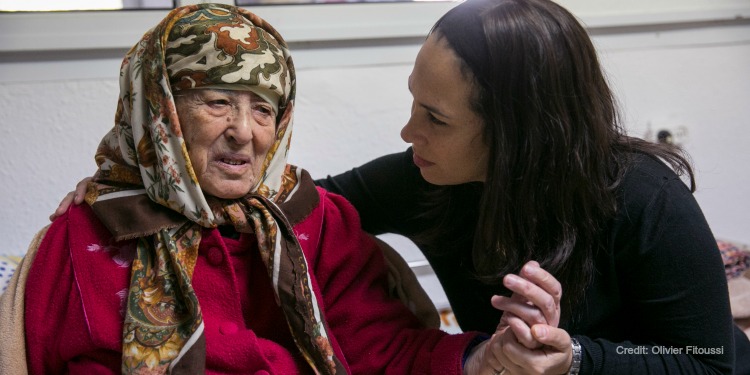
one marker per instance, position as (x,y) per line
(434,119)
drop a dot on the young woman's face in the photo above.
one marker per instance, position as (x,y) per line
(444,130)
(227,134)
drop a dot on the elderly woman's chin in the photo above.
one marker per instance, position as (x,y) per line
(227,188)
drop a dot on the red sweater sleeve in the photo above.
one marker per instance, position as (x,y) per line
(55,322)
(46,303)
(376,333)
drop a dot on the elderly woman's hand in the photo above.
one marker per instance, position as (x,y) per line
(554,356)
(74,197)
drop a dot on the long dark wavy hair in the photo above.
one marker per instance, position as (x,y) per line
(557,149)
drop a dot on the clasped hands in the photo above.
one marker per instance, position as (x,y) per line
(527,340)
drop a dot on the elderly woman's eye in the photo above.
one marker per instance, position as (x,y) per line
(218,102)
(264,110)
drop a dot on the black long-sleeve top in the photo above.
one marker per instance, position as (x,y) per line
(658,301)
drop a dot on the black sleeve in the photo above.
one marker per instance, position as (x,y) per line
(384,191)
(673,284)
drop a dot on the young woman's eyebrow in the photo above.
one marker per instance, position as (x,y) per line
(427,106)
(434,111)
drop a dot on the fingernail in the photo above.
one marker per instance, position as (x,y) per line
(510,279)
(530,269)
(540,331)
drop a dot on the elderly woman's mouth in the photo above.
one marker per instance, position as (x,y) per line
(232,157)
(233,161)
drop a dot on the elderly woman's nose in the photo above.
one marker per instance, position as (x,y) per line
(241,126)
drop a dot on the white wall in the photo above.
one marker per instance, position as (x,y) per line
(353,100)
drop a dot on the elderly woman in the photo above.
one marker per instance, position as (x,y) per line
(201,250)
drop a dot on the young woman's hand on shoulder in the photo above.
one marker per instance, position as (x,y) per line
(74,197)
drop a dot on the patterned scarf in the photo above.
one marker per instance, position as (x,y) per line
(145,187)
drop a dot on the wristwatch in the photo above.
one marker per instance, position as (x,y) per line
(577,354)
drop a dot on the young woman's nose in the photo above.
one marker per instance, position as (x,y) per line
(406,132)
(410,132)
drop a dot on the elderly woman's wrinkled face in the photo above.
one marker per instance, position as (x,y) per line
(227,134)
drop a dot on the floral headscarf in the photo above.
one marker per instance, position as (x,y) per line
(146,188)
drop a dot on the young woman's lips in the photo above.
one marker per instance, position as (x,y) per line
(421,163)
